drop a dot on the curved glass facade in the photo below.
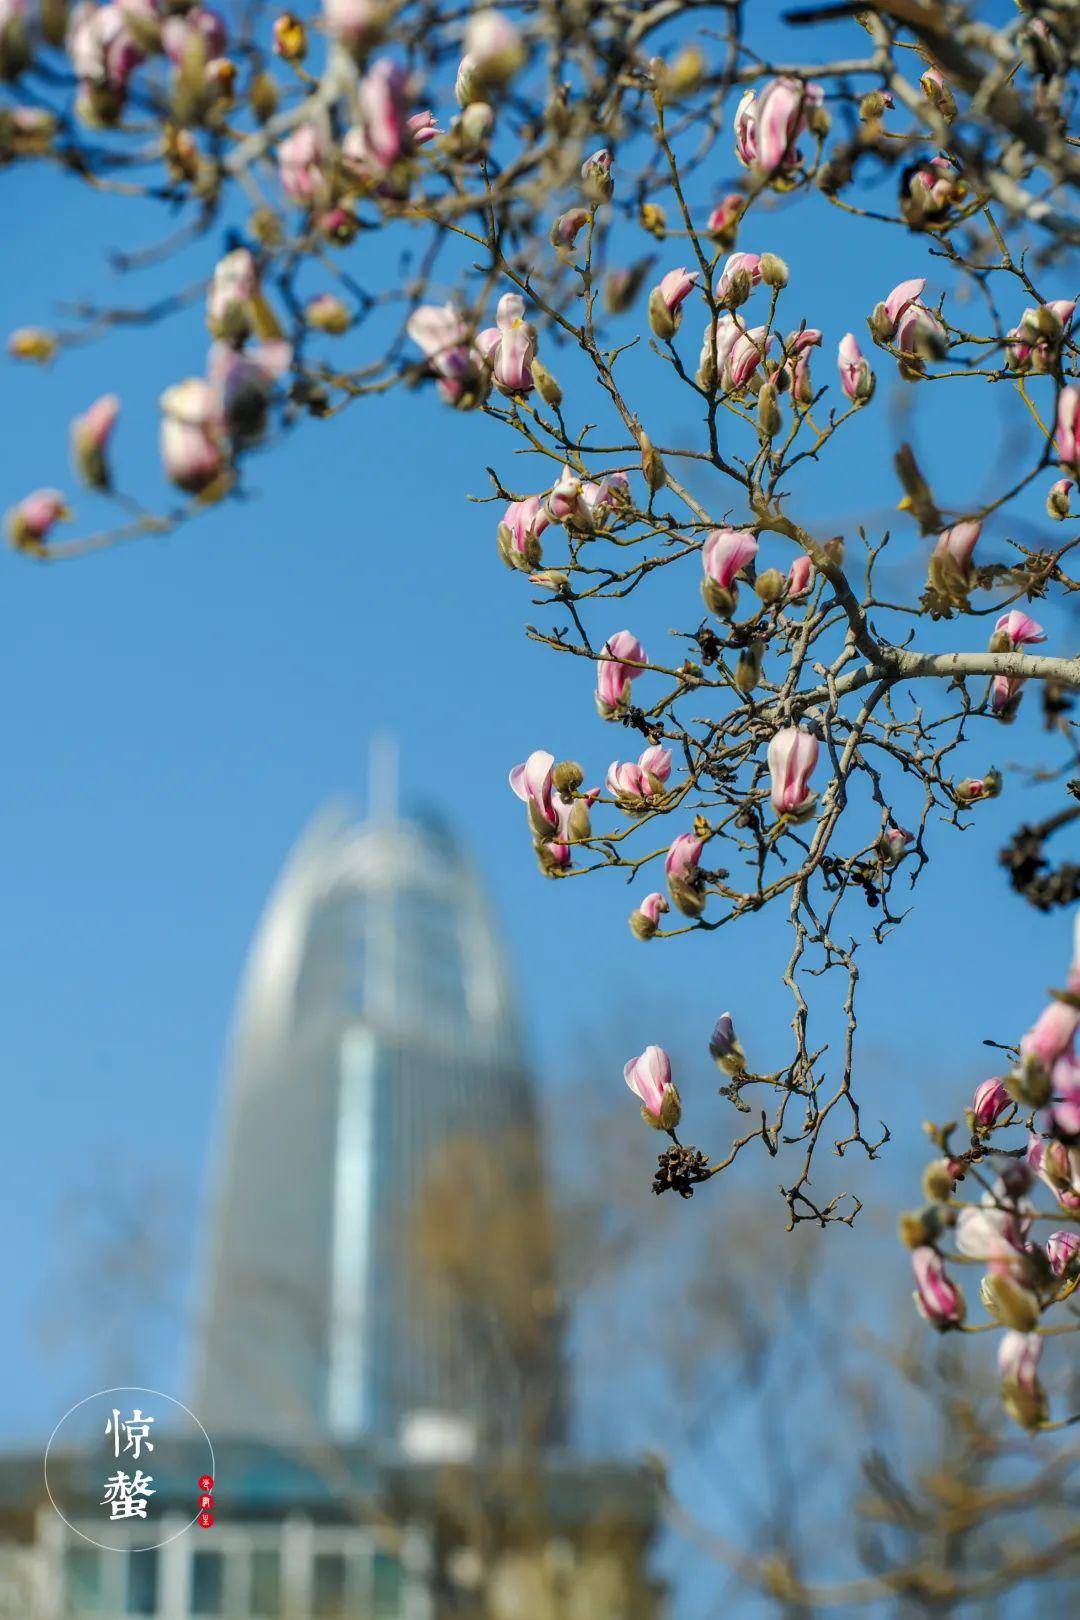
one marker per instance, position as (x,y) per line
(377,1099)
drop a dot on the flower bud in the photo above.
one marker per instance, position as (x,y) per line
(988,1104)
(1030,1084)
(652,465)
(1009,1302)
(654,220)
(472,129)
(649,1078)
(32,343)
(565,229)
(597,181)
(290,37)
(919,1227)
(646,919)
(770,585)
(546,385)
(567,776)
(892,844)
(1057,502)
(768,411)
(28,524)
(774,271)
(938,1181)
(90,435)
(738,286)
(325,313)
(938,93)
(723,223)
(725,1047)
(748,667)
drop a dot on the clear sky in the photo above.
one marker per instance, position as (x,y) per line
(176,709)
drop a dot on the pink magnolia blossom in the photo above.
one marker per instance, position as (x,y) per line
(893,842)
(243,382)
(192,448)
(767,126)
(938,1299)
(919,332)
(233,285)
(584,505)
(532,782)
(494,46)
(1033,344)
(800,577)
(615,671)
(1058,1167)
(385,130)
(1052,1034)
(300,159)
(721,223)
(522,524)
(509,346)
(1018,1359)
(566,228)
(28,524)
(666,298)
(1061,1251)
(1020,629)
(989,1103)
(649,1078)
(856,378)
(102,50)
(90,434)
(637,783)
(750,263)
(732,354)
(596,177)
(1057,501)
(1067,434)
(645,919)
(797,350)
(681,862)
(443,335)
(951,569)
(726,553)
(792,756)
(201,29)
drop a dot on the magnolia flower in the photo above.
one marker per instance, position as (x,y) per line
(1034,343)
(493,48)
(300,159)
(103,55)
(192,449)
(565,228)
(893,842)
(633,784)
(1051,1035)
(1057,502)
(385,130)
(623,654)
(1018,1363)
(767,126)
(596,178)
(792,756)
(731,354)
(583,505)
(29,522)
(1061,1251)
(649,1078)
(796,366)
(1058,1167)
(741,272)
(951,571)
(243,382)
(1018,630)
(522,524)
(234,284)
(666,299)
(724,555)
(723,221)
(199,30)
(354,22)
(646,919)
(937,1298)
(509,346)
(725,1047)
(907,323)
(1067,434)
(989,1103)
(90,435)
(532,782)
(800,577)
(441,332)
(856,378)
(684,880)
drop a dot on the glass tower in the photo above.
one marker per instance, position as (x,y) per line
(378,1105)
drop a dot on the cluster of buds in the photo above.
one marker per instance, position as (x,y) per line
(107,43)
(930,191)
(914,331)
(557,811)
(1034,344)
(1024,1276)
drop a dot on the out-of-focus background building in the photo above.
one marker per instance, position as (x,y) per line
(380,1358)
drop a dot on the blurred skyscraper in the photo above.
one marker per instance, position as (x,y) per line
(376,1042)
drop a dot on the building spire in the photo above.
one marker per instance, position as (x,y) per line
(383,779)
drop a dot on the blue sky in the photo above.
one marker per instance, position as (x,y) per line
(176,709)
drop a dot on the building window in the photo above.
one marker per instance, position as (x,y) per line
(207,1583)
(83,1581)
(265,1583)
(388,1586)
(142,1583)
(328,1587)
